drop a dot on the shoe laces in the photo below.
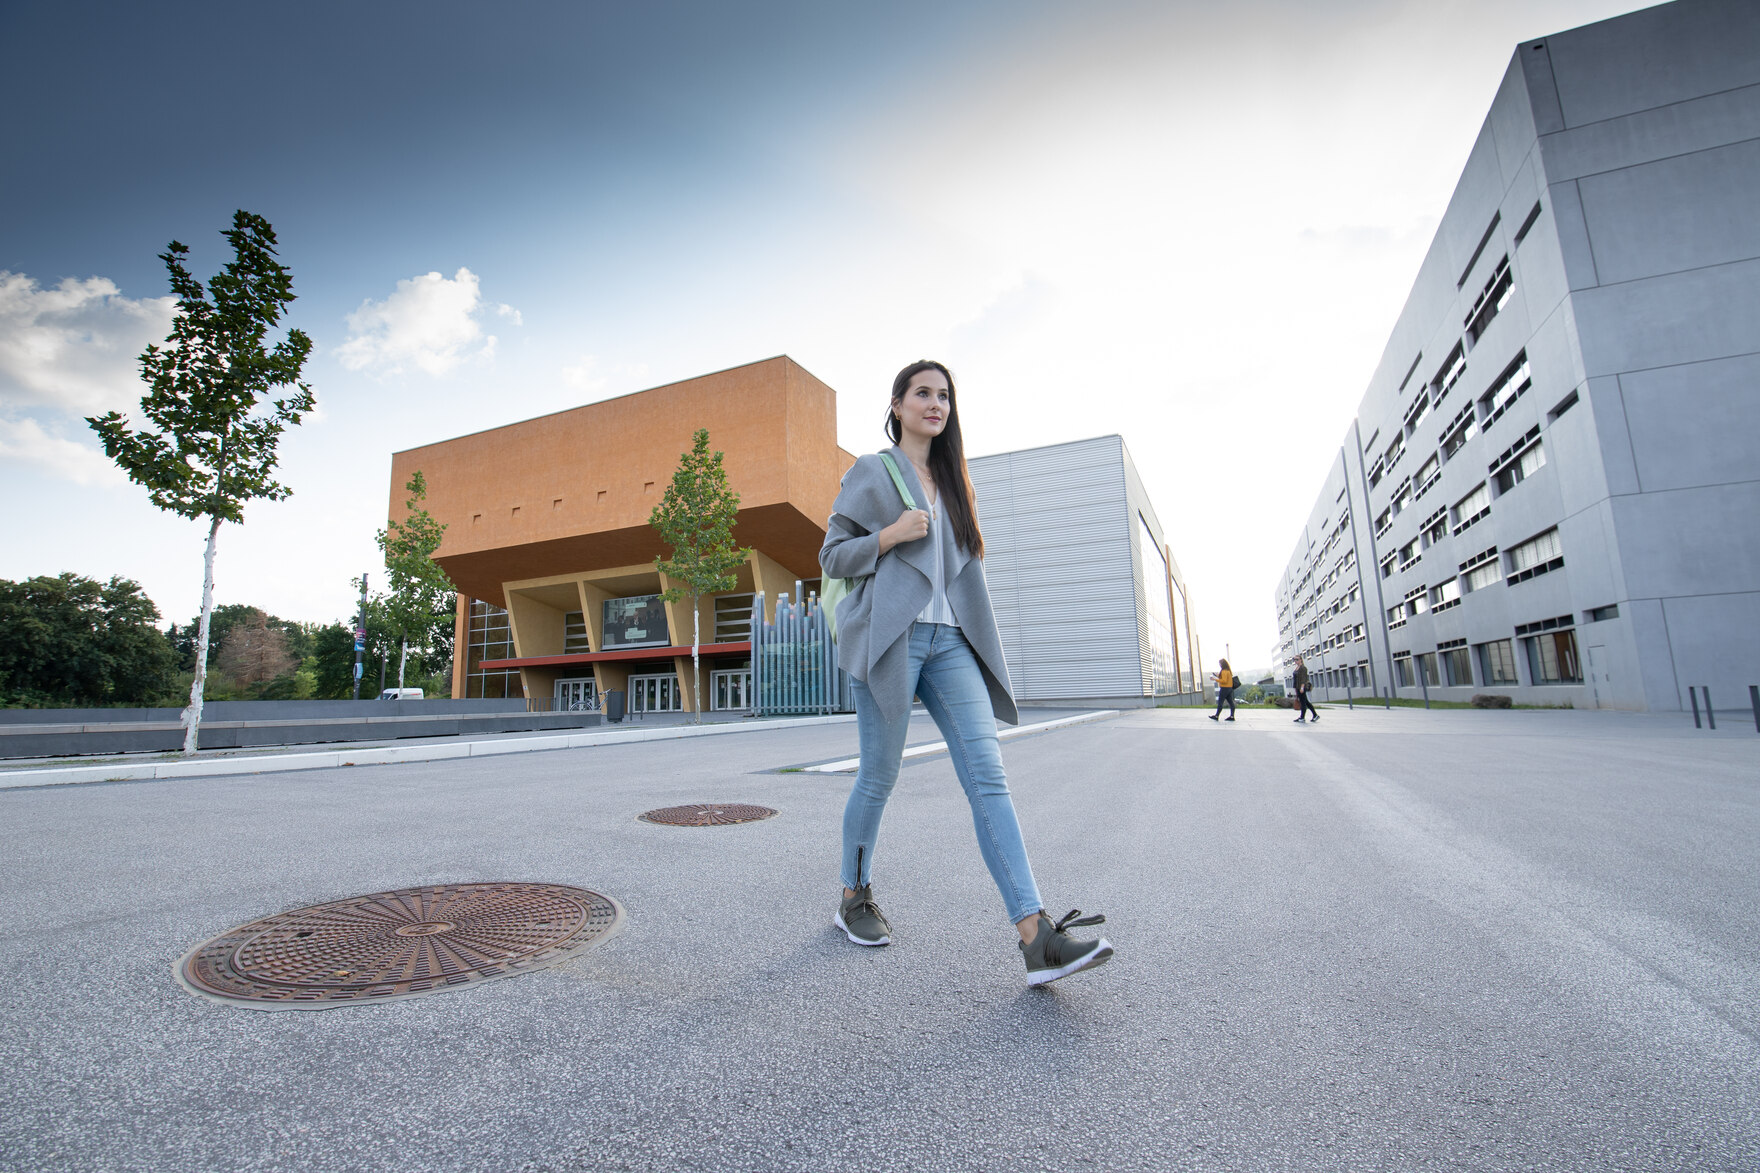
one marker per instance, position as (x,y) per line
(864,902)
(1073,919)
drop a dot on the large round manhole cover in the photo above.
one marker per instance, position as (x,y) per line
(708,814)
(400,944)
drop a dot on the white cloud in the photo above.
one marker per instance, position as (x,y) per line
(429,321)
(583,375)
(25,442)
(75,346)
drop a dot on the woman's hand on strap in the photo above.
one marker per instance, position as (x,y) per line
(911,525)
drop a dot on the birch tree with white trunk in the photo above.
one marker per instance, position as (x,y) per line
(209,445)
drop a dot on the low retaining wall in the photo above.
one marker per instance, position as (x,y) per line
(35,733)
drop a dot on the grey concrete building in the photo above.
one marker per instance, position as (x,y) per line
(1551,488)
(1089,600)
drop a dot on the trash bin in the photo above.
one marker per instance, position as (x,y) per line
(614,704)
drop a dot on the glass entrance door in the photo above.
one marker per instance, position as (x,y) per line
(577,696)
(655,694)
(730,688)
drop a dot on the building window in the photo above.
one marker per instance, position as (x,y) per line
(1402,671)
(733,619)
(1538,555)
(1492,298)
(1506,390)
(1445,595)
(1523,466)
(1409,554)
(1435,528)
(1497,662)
(1552,658)
(1384,522)
(1481,570)
(1460,429)
(1402,496)
(1419,410)
(1376,473)
(1457,665)
(1396,616)
(574,634)
(1395,450)
(489,637)
(1528,223)
(1387,565)
(1428,474)
(1427,665)
(1611,611)
(1564,405)
(1453,367)
(1471,508)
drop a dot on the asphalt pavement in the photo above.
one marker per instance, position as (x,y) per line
(1393,940)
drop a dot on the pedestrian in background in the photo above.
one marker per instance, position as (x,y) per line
(1303,704)
(918,621)
(1225,683)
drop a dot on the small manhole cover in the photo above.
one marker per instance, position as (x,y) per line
(400,944)
(708,814)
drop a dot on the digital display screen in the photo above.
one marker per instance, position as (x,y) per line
(636,622)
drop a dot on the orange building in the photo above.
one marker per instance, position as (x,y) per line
(547,535)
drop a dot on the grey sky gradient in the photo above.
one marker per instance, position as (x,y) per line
(1191,224)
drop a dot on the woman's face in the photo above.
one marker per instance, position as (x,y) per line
(926,404)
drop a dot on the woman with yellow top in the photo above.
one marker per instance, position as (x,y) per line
(1225,683)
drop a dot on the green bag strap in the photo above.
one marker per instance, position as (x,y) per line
(898,479)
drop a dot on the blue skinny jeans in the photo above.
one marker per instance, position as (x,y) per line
(951,684)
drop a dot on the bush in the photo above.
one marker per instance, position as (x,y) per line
(1491,700)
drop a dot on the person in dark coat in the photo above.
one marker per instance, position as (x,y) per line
(1303,705)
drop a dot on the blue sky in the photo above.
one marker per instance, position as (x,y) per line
(1191,224)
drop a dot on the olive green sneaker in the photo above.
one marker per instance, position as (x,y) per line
(1054,954)
(861,919)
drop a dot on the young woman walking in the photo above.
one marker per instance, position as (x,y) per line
(1225,682)
(918,622)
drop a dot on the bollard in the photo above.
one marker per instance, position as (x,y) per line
(1754,699)
(1351,704)
(1710,714)
(1693,695)
(1424,684)
(1387,700)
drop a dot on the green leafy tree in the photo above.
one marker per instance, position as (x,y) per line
(420,594)
(70,640)
(695,518)
(332,661)
(212,444)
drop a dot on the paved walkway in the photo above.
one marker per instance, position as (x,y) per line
(1412,941)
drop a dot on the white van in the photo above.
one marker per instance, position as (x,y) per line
(401,694)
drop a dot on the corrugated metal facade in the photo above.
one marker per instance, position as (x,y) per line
(1064,569)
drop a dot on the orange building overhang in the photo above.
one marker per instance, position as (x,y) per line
(573,491)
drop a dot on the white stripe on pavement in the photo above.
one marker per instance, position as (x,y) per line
(923,751)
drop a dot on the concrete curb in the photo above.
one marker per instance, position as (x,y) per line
(386,754)
(846,765)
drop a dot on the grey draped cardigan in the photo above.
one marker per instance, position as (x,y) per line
(874,619)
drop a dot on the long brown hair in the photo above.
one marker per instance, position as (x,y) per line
(947,458)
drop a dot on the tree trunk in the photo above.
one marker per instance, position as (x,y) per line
(696,666)
(192,716)
(402,655)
